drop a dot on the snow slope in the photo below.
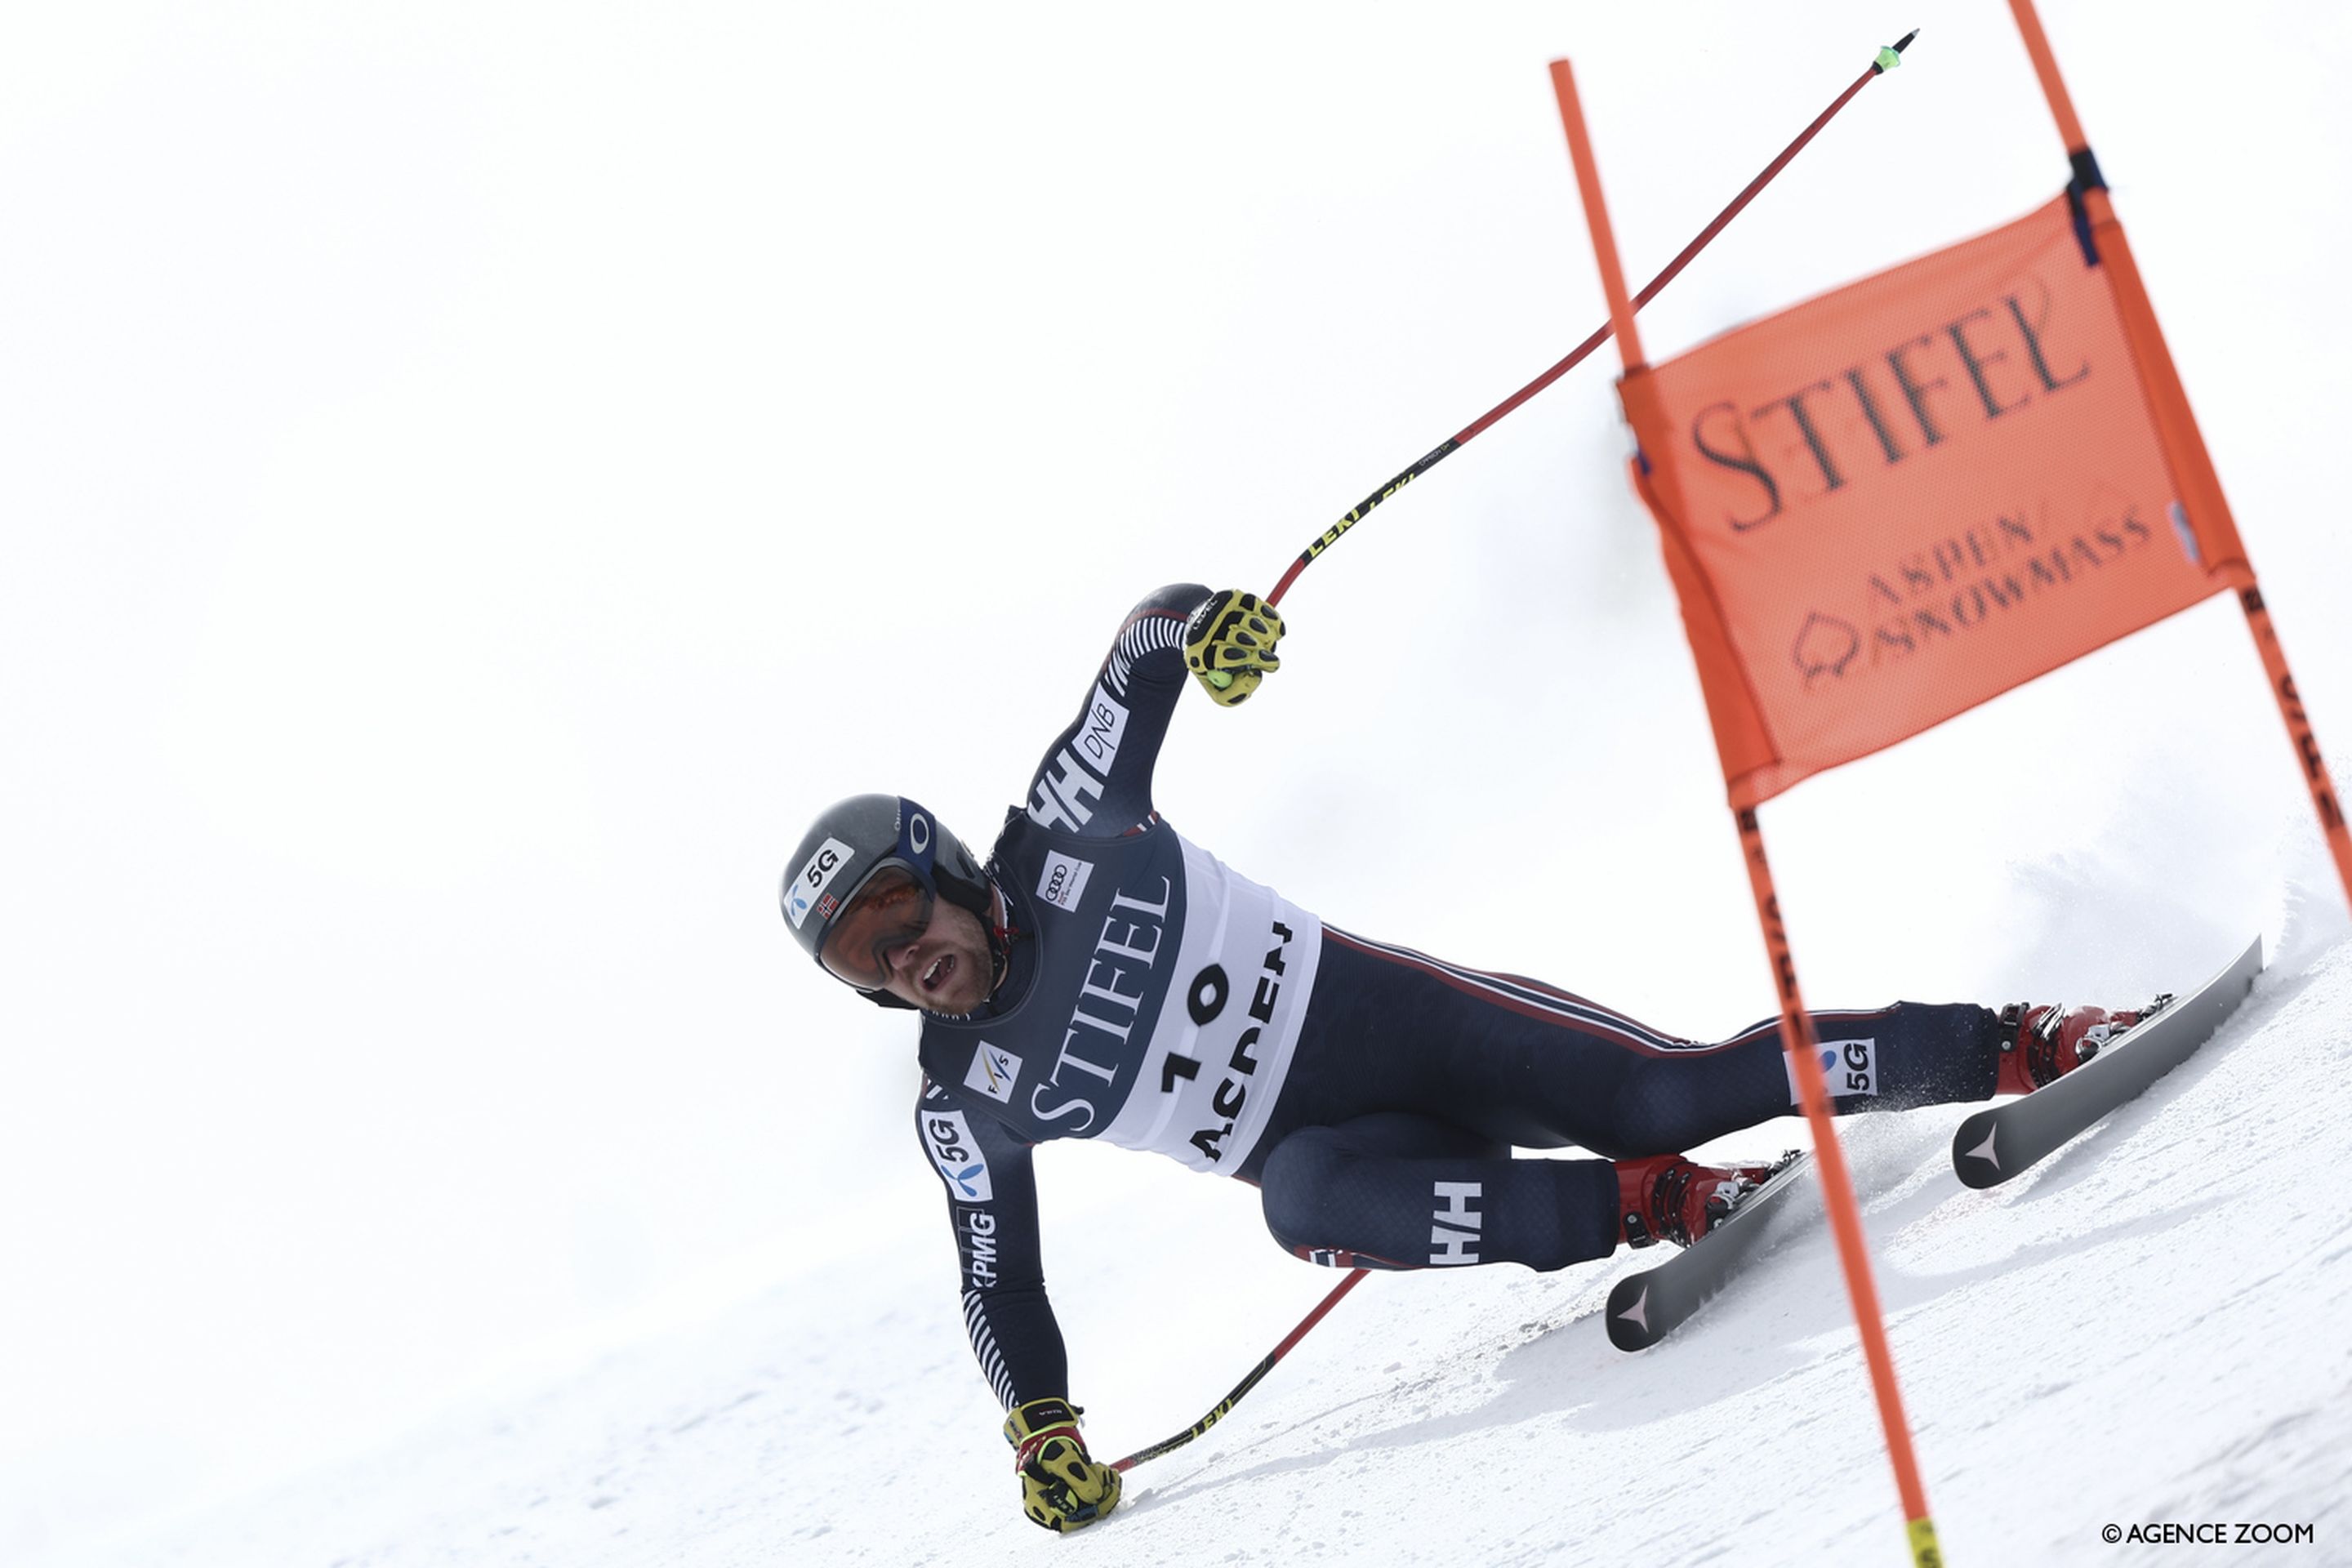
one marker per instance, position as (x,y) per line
(2149,1327)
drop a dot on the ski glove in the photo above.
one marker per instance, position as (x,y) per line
(1061,1487)
(1229,645)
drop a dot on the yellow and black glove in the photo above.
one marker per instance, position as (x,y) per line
(1229,645)
(1061,1487)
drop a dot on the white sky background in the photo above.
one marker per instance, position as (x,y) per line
(475,479)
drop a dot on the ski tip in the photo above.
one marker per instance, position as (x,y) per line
(1629,1315)
(1976,1152)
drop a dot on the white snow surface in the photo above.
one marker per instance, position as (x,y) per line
(2146,1327)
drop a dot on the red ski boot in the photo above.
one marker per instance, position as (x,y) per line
(2040,1043)
(1667,1195)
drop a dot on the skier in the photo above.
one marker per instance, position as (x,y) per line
(1101,976)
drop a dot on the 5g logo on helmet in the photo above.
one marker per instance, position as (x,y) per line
(822,866)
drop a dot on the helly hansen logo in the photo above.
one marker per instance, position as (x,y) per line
(949,1138)
(1453,1228)
(1848,1067)
(1064,882)
(993,1073)
(1073,781)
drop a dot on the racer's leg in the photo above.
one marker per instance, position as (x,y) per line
(1397,1191)
(1520,1062)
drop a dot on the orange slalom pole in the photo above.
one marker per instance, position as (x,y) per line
(1802,1044)
(2045,65)
(1798,1039)
(2299,733)
(1596,217)
(2184,443)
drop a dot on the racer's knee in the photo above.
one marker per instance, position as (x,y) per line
(1653,1110)
(1359,1192)
(1299,1188)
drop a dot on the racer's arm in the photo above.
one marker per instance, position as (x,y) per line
(1096,778)
(991,1192)
(992,1204)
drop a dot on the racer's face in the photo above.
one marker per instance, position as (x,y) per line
(945,970)
(926,952)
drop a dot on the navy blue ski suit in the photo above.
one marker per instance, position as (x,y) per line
(1155,997)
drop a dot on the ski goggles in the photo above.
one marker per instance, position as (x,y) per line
(891,911)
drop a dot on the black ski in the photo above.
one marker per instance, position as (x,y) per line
(1646,1306)
(1994,1145)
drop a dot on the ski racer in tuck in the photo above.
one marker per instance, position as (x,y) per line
(1102,976)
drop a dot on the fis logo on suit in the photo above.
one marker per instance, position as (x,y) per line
(1064,880)
(993,1073)
(1848,1067)
(949,1138)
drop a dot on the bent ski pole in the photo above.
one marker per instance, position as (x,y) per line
(1257,1371)
(1888,59)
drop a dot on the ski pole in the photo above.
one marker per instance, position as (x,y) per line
(1887,60)
(1257,1371)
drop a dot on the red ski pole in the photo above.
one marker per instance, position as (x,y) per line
(1886,57)
(1243,1387)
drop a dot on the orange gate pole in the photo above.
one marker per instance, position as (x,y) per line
(2207,510)
(1797,1035)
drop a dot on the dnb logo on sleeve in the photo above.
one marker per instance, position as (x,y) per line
(949,1138)
(1850,1067)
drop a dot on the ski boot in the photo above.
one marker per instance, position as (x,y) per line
(1667,1196)
(2042,1044)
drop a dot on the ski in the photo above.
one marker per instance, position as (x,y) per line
(1994,1145)
(1645,1307)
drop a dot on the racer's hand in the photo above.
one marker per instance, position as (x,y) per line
(1229,645)
(1061,1487)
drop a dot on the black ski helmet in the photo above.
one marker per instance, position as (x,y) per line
(854,838)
